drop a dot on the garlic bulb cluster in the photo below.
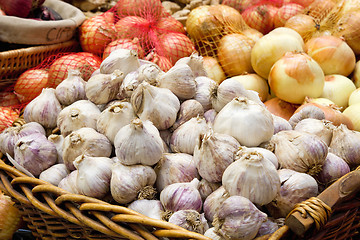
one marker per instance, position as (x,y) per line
(124,60)
(54,174)
(190,220)
(71,89)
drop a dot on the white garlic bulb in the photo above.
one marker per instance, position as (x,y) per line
(138,143)
(238,218)
(124,60)
(180,80)
(149,72)
(195,62)
(267,154)
(71,89)
(180,165)
(252,176)
(210,116)
(281,124)
(210,233)
(267,227)
(54,174)
(188,109)
(43,109)
(321,128)
(213,202)
(149,208)
(102,88)
(206,188)
(94,173)
(185,137)
(69,182)
(129,182)
(82,113)
(85,141)
(247,121)
(129,84)
(159,105)
(190,220)
(58,140)
(35,153)
(203,91)
(213,154)
(113,118)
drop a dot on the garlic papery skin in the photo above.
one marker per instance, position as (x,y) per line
(102,88)
(321,128)
(35,153)
(159,105)
(181,167)
(181,196)
(94,174)
(85,141)
(299,151)
(213,202)
(43,109)
(252,169)
(238,218)
(185,137)
(128,85)
(213,154)
(206,188)
(58,140)
(265,152)
(295,188)
(149,73)
(10,135)
(210,116)
(345,144)
(71,89)
(69,182)
(334,168)
(138,143)
(130,182)
(113,118)
(54,174)
(82,113)
(188,109)
(195,62)
(190,220)
(210,233)
(228,90)
(203,91)
(124,60)
(149,208)
(247,121)
(280,124)
(180,80)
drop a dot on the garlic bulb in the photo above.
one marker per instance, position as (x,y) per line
(188,109)
(334,168)
(309,111)
(280,124)
(185,137)
(10,135)
(149,72)
(247,121)
(267,154)
(228,90)
(210,233)
(181,196)
(210,116)
(94,173)
(195,62)
(213,154)
(181,167)
(54,174)
(129,84)
(102,88)
(267,227)
(58,141)
(203,91)
(82,113)
(190,220)
(113,118)
(69,182)
(238,218)
(345,144)
(299,151)
(180,80)
(85,141)
(35,153)
(252,169)
(213,202)
(43,109)
(124,60)
(138,143)
(159,105)
(295,188)
(321,128)
(149,208)
(129,182)
(71,88)
(206,188)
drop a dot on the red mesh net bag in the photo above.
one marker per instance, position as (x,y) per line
(143,25)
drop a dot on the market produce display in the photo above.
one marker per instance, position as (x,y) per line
(221,125)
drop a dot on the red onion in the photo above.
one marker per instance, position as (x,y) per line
(19,8)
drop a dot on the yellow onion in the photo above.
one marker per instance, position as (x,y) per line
(252,34)
(349,29)
(295,76)
(319,100)
(338,88)
(332,54)
(280,108)
(254,82)
(354,97)
(303,24)
(285,12)
(234,54)
(213,69)
(318,9)
(353,113)
(356,74)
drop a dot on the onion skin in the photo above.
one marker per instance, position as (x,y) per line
(280,107)
(30,84)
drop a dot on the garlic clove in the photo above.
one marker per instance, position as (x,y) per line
(71,88)
(58,140)
(334,168)
(149,73)
(210,116)
(280,124)
(124,60)
(188,109)
(206,188)
(213,202)
(54,174)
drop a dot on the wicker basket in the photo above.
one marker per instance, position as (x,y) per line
(15,62)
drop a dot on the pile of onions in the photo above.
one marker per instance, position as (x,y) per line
(260,17)
(30,84)
(285,12)
(126,43)
(7,117)
(280,108)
